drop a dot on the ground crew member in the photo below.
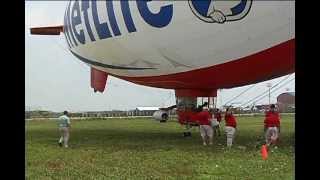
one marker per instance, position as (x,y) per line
(214,123)
(64,128)
(230,126)
(206,131)
(271,125)
(217,115)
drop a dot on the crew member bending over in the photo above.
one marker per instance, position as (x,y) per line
(230,126)
(206,131)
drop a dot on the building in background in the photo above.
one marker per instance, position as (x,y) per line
(139,111)
(262,107)
(144,111)
(286,102)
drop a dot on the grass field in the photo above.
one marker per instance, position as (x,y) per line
(147,149)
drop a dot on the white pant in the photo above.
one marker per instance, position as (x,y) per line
(271,135)
(64,132)
(230,131)
(214,123)
(206,130)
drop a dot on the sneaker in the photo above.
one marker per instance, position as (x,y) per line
(204,144)
(60,144)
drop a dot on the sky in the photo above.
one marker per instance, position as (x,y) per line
(55,80)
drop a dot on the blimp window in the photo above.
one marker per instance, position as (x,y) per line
(186,103)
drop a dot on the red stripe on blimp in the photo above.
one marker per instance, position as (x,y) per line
(268,64)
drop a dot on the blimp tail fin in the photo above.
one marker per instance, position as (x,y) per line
(49,30)
(98,80)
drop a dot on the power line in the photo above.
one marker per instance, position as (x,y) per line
(261,97)
(275,90)
(253,99)
(240,94)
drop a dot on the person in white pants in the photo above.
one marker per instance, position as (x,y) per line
(272,125)
(271,135)
(205,128)
(64,128)
(206,134)
(230,127)
(215,126)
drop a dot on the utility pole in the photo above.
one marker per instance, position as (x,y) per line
(220,90)
(269,86)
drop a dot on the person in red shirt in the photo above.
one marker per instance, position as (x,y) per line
(230,126)
(272,125)
(205,128)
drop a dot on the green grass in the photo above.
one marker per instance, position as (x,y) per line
(147,149)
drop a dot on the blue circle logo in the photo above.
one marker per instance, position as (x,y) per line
(217,11)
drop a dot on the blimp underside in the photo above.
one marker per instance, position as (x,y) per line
(166,44)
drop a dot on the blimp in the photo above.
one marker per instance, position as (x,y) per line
(194,47)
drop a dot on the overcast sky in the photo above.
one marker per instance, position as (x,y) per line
(56,80)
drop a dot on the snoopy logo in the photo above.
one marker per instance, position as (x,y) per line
(218,11)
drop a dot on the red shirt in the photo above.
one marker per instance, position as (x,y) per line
(230,120)
(272,119)
(204,118)
(218,116)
